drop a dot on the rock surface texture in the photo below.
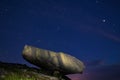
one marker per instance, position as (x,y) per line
(53,61)
(13,71)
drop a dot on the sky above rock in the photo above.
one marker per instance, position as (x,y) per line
(86,29)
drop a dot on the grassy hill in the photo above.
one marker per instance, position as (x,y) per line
(14,71)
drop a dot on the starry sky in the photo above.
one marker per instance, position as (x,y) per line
(86,29)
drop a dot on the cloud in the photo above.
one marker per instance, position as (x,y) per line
(106,73)
(108,35)
(97,30)
(109,72)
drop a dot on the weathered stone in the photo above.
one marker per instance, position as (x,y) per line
(14,71)
(53,61)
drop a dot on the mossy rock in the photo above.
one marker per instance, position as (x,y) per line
(10,71)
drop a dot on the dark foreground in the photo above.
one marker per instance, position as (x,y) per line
(14,71)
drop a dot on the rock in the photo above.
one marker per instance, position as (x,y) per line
(13,71)
(53,61)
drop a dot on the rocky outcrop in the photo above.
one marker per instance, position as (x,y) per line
(53,61)
(13,71)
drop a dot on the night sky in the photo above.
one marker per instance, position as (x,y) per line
(86,29)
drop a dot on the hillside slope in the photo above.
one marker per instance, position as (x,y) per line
(14,71)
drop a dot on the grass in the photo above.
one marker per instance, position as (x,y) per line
(24,76)
(17,77)
(20,72)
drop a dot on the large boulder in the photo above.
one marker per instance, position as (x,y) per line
(53,61)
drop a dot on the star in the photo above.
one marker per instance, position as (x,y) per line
(114,24)
(6,9)
(97,1)
(38,41)
(58,28)
(114,31)
(103,20)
